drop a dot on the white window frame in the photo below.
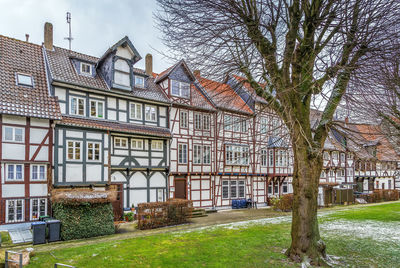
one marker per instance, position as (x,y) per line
(97,102)
(134,108)
(236,155)
(182,153)
(38,172)
(22,83)
(90,73)
(93,149)
(206,122)
(39,212)
(236,124)
(264,157)
(243,125)
(14,174)
(271,158)
(180,88)
(136,145)
(157,145)
(74,150)
(197,154)
(14,135)
(71,98)
(120,71)
(206,154)
(183,119)
(151,110)
(120,146)
(263,125)
(15,210)
(139,77)
(233,188)
(227,123)
(198,121)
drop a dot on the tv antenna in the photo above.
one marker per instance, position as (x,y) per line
(69,38)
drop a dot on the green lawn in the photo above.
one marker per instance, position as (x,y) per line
(256,245)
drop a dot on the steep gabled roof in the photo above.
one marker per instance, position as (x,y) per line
(243,81)
(124,41)
(224,96)
(164,74)
(22,57)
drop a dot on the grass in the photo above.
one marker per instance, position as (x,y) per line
(249,246)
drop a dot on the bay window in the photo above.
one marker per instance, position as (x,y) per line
(236,155)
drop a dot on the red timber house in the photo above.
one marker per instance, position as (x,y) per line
(192,118)
(273,159)
(27,114)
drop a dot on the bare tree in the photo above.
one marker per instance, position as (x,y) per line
(291,52)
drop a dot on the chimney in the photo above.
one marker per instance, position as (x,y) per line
(48,36)
(196,73)
(27,37)
(149,64)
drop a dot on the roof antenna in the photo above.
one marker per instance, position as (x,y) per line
(69,38)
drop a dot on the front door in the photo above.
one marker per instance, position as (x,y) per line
(180,188)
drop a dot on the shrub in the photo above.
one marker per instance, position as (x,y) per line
(84,220)
(284,203)
(129,216)
(158,214)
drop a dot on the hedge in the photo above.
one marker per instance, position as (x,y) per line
(382,196)
(284,203)
(158,214)
(84,220)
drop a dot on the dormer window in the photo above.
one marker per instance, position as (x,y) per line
(180,89)
(139,81)
(24,80)
(86,68)
(122,73)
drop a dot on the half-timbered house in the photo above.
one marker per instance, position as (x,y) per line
(115,122)
(27,114)
(192,123)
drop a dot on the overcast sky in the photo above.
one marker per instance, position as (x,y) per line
(96,24)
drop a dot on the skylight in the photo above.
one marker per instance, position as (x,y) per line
(24,80)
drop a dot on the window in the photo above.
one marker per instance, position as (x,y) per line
(389,184)
(323,174)
(243,125)
(206,122)
(335,156)
(151,114)
(275,127)
(270,188)
(263,125)
(342,173)
(13,134)
(276,188)
(77,106)
(281,158)
(38,172)
(271,158)
(183,120)
(227,122)
(342,157)
(197,154)
(74,150)
(377,184)
(121,143)
(180,89)
(264,158)
(326,156)
(157,145)
(136,111)
(14,172)
(349,155)
(15,210)
(285,187)
(139,81)
(24,80)
(237,155)
(122,73)
(206,154)
(236,124)
(137,144)
(86,69)
(182,153)
(197,121)
(38,208)
(233,189)
(93,151)
(96,109)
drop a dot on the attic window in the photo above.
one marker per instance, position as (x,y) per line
(85,68)
(25,80)
(139,81)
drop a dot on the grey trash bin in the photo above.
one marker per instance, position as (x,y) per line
(54,227)
(39,232)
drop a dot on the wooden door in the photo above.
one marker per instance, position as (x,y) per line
(117,204)
(180,188)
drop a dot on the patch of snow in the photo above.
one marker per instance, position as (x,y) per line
(376,230)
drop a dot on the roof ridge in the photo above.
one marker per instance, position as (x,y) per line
(19,40)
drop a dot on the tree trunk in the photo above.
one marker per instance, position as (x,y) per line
(307,245)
